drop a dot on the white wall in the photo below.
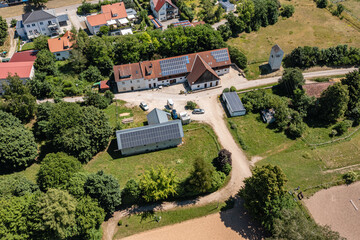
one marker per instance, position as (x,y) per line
(222,71)
(275,59)
(137,84)
(62,55)
(152,147)
(41,27)
(202,85)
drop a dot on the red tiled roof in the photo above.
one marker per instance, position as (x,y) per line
(315,89)
(127,72)
(198,23)
(63,43)
(159,3)
(104,85)
(155,64)
(109,12)
(22,69)
(25,56)
(198,69)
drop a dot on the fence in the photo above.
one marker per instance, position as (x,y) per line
(332,141)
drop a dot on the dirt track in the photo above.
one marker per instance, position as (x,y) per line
(333,207)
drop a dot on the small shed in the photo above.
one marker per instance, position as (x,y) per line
(157,116)
(268,115)
(276,57)
(233,104)
(150,138)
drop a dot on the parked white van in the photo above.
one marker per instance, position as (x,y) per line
(170,103)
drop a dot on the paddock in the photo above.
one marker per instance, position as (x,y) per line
(338,207)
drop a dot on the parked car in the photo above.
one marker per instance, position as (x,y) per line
(198,111)
(170,103)
(185,118)
(174,114)
(144,106)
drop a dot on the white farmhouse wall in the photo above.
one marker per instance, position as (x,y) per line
(205,85)
(151,147)
(220,72)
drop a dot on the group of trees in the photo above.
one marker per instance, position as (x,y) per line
(66,203)
(267,200)
(305,57)
(3,30)
(252,14)
(186,12)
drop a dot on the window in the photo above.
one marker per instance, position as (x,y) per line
(28,25)
(138,80)
(130,81)
(43,29)
(123,83)
(33,24)
(138,86)
(41,23)
(198,86)
(124,88)
(31,32)
(49,22)
(58,54)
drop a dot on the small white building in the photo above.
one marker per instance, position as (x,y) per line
(61,46)
(164,9)
(40,22)
(276,56)
(233,104)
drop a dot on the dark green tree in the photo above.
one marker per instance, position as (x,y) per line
(39,87)
(18,99)
(158,184)
(333,102)
(75,185)
(287,10)
(41,43)
(223,161)
(16,186)
(225,31)
(292,79)
(3,30)
(352,81)
(105,189)
(237,57)
(104,30)
(89,216)
(201,177)
(322,3)
(78,60)
(131,193)
(17,144)
(92,75)
(45,62)
(38,3)
(56,169)
(264,194)
(302,102)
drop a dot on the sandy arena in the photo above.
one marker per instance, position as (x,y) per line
(333,207)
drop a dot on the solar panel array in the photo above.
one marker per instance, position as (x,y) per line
(185,23)
(234,101)
(173,66)
(149,135)
(220,55)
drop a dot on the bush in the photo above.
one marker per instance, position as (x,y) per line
(232,89)
(287,10)
(222,160)
(13,22)
(322,3)
(131,193)
(350,177)
(226,90)
(91,75)
(120,223)
(191,105)
(342,127)
(218,179)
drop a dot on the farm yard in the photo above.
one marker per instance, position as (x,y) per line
(309,26)
(333,207)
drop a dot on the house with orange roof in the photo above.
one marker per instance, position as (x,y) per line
(199,70)
(25,71)
(164,9)
(111,15)
(61,46)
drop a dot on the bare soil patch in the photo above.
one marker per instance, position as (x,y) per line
(333,207)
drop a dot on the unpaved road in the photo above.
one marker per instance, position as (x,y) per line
(333,207)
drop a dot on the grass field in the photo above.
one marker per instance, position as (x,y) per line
(304,166)
(6,45)
(352,6)
(28,46)
(309,26)
(137,223)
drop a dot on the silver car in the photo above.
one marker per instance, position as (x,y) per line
(144,106)
(198,111)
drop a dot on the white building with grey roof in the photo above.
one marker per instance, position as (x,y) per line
(276,57)
(233,104)
(40,22)
(150,138)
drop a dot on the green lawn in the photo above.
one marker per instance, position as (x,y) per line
(304,165)
(137,223)
(310,26)
(197,143)
(29,173)
(28,46)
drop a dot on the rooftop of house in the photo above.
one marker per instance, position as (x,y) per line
(150,134)
(276,48)
(38,15)
(178,65)
(108,12)
(316,89)
(159,3)
(63,43)
(22,69)
(24,56)
(198,69)
(157,116)
(234,102)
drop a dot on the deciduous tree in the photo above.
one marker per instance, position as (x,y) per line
(45,62)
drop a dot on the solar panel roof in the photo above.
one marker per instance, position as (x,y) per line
(173,66)
(220,55)
(141,136)
(234,102)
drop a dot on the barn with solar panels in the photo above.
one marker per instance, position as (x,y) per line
(200,70)
(233,104)
(150,138)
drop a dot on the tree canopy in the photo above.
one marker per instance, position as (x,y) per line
(3,30)
(45,62)
(291,80)
(201,177)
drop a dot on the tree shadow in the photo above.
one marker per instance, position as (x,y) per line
(239,220)
(265,69)
(28,7)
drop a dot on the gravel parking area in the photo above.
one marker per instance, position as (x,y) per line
(333,207)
